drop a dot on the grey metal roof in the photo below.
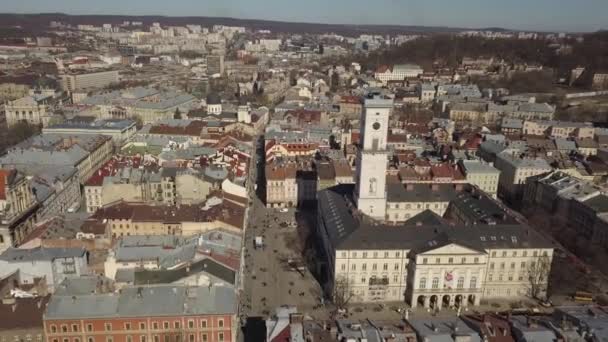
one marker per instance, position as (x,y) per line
(443,329)
(420,193)
(346,231)
(82,285)
(161,300)
(40,254)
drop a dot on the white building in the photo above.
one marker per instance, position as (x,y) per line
(483,175)
(33,109)
(398,72)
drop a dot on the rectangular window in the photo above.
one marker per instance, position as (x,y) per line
(75,327)
(156,338)
(191,324)
(142,326)
(166,325)
(142,338)
(204,323)
(191,338)
(108,326)
(385,267)
(109,339)
(204,337)
(476,260)
(353,267)
(89,327)
(450,260)
(127,326)
(220,336)
(438,260)
(176,324)
(396,266)
(424,260)
(374,267)
(220,323)
(129,338)
(364,267)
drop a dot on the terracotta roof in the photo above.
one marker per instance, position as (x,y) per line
(280,172)
(397,138)
(111,168)
(383,69)
(226,212)
(342,168)
(26,313)
(351,100)
(304,116)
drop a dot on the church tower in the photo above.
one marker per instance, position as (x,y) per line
(372,159)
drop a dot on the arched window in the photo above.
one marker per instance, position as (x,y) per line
(422,283)
(460,283)
(435,283)
(473,283)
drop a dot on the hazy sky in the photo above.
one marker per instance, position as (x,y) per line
(548,15)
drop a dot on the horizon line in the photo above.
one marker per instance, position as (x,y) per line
(299,22)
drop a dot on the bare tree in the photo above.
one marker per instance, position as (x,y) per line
(342,293)
(538,276)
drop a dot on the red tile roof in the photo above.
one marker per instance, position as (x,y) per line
(351,100)
(111,168)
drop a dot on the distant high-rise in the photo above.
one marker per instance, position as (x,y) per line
(215,64)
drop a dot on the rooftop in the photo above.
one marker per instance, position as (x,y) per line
(161,300)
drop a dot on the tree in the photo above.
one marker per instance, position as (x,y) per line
(177,115)
(21,131)
(335,81)
(293,77)
(342,292)
(139,123)
(538,276)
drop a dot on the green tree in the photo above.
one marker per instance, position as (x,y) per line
(21,131)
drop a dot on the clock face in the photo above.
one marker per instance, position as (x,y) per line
(376,126)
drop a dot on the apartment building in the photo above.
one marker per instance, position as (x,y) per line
(514,172)
(22,318)
(166,313)
(149,104)
(125,219)
(120,130)
(86,153)
(471,112)
(483,175)
(72,82)
(281,185)
(398,72)
(17,207)
(555,191)
(52,264)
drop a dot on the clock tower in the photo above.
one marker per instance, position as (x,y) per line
(372,159)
